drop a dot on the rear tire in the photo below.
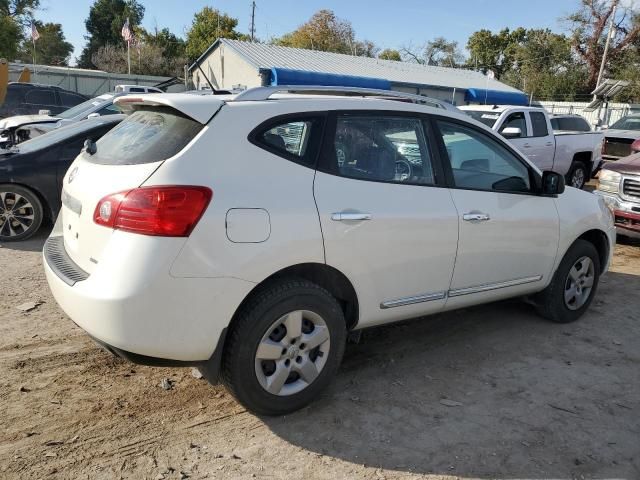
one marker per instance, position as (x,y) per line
(578,175)
(573,286)
(284,348)
(20,213)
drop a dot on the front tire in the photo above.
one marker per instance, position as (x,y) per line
(284,347)
(573,286)
(20,213)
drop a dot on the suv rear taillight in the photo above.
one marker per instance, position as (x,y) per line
(635,146)
(166,211)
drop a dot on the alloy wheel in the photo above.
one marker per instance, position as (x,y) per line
(579,283)
(16,214)
(292,352)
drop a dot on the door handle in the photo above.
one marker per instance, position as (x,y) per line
(475,217)
(526,145)
(346,216)
(549,144)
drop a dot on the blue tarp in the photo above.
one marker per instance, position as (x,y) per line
(285,76)
(495,97)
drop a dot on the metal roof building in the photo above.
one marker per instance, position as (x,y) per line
(232,64)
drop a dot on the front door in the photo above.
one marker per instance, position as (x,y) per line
(388,222)
(508,234)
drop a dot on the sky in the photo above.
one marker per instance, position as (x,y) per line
(387,24)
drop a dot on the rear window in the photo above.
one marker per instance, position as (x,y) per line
(148,135)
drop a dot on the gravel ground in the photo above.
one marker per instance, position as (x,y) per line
(490,392)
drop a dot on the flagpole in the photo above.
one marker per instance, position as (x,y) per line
(129,56)
(34,56)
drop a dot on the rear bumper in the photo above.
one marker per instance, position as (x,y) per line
(135,307)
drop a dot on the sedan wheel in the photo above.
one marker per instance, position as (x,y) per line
(20,213)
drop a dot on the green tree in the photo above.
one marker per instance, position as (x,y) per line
(390,54)
(544,64)
(15,15)
(494,52)
(104,25)
(172,46)
(590,27)
(51,48)
(208,25)
(324,31)
(146,59)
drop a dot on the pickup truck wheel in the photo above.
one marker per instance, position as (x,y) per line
(577,175)
(20,213)
(573,286)
(284,347)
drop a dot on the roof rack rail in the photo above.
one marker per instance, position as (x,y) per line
(264,93)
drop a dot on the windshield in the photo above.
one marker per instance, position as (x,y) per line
(627,123)
(82,108)
(488,118)
(54,136)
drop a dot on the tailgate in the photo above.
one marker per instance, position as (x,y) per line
(84,185)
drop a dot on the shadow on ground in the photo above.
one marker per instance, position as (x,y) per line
(32,244)
(493,391)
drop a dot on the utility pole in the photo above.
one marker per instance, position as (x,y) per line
(253,21)
(611,33)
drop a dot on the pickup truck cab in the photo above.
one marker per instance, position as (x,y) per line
(576,155)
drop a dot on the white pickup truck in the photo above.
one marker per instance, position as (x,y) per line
(576,155)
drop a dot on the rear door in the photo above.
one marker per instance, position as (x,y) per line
(542,143)
(125,158)
(387,222)
(508,234)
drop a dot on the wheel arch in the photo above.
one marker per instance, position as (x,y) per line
(586,158)
(329,278)
(600,241)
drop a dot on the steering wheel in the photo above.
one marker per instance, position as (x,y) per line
(404,170)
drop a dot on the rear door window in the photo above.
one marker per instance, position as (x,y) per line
(148,135)
(539,124)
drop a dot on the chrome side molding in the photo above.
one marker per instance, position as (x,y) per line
(429,297)
(400,302)
(493,286)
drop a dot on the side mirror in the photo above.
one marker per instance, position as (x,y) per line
(604,127)
(552,183)
(93,115)
(511,132)
(90,146)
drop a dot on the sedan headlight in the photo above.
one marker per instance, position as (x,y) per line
(609,181)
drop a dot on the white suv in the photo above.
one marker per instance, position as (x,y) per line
(248,234)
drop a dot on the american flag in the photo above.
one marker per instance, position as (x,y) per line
(126,32)
(34,32)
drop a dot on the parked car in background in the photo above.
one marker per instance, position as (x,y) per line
(619,185)
(20,128)
(622,138)
(569,122)
(30,98)
(31,175)
(307,222)
(574,154)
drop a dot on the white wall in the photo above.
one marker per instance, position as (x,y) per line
(225,69)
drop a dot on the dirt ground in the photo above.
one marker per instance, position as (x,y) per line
(534,399)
